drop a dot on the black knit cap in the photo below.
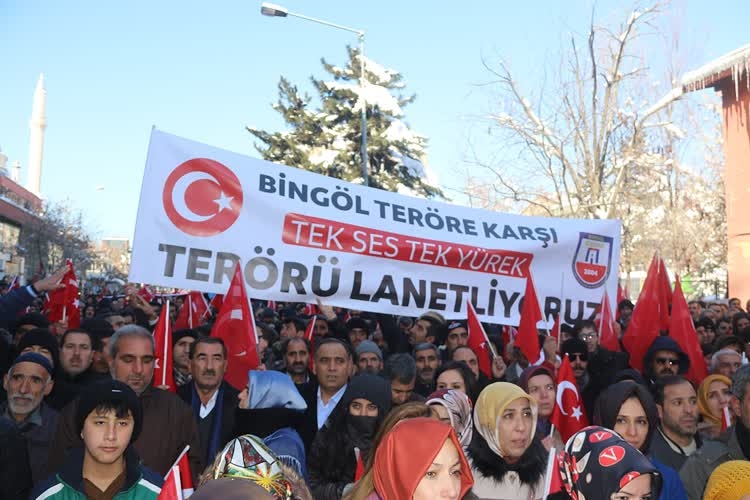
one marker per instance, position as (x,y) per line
(373,388)
(33,318)
(112,392)
(41,337)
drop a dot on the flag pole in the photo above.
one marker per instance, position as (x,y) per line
(548,472)
(166,342)
(552,430)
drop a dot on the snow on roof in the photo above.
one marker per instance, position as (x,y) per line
(737,61)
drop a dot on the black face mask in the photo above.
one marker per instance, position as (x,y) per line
(361,430)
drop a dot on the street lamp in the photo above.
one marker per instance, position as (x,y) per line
(273,10)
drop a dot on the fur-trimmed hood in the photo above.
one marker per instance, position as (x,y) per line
(530,468)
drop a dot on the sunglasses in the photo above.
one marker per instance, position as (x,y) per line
(577,356)
(664,361)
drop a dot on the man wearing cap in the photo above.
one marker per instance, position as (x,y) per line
(181,342)
(458,335)
(357,330)
(168,423)
(369,357)
(109,419)
(588,388)
(43,342)
(27,382)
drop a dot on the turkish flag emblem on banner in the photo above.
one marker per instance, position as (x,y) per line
(568,415)
(235,325)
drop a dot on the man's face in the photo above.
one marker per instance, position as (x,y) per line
(181,353)
(321,328)
(665,363)
(626,312)
(728,364)
(333,366)
(297,357)
(134,363)
(116,321)
(716,312)
(208,365)
(589,335)
(579,362)
(288,331)
(76,354)
(418,332)
(26,384)
(679,413)
(723,328)
(356,336)
(427,362)
(400,393)
(457,337)
(695,310)
(369,362)
(101,359)
(469,357)
(106,436)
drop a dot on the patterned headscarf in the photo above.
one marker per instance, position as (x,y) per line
(490,406)
(703,408)
(597,462)
(246,457)
(458,405)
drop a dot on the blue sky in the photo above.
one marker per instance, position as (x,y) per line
(205,70)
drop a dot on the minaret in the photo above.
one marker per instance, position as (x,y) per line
(15,172)
(36,139)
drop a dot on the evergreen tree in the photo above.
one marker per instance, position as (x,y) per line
(327,140)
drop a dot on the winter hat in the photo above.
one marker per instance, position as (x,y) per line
(533,371)
(182,333)
(41,337)
(112,392)
(730,481)
(371,387)
(99,328)
(357,322)
(34,357)
(369,346)
(574,346)
(33,318)
(456,324)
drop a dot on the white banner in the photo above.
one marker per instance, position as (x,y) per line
(298,235)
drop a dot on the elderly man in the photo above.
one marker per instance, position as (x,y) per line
(27,382)
(168,423)
(369,357)
(212,399)
(726,362)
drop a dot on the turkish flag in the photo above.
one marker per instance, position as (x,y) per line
(163,374)
(527,338)
(192,312)
(310,336)
(146,293)
(607,333)
(360,470)
(726,420)
(647,315)
(310,310)
(681,329)
(568,415)
(14,284)
(216,301)
(62,304)
(553,479)
(555,332)
(235,325)
(478,341)
(171,489)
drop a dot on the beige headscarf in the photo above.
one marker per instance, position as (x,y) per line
(490,406)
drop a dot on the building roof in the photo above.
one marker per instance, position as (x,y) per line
(734,65)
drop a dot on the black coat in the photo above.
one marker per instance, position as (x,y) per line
(309,425)
(15,472)
(229,402)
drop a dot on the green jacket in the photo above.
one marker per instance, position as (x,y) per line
(141,483)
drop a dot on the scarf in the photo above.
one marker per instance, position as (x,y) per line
(703,407)
(489,409)
(272,389)
(218,414)
(458,405)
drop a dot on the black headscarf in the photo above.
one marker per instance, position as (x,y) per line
(611,400)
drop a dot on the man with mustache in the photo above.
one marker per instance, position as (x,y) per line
(296,352)
(27,382)
(427,359)
(168,423)
(212,399)
(676,437)
(664,358)
(77,348)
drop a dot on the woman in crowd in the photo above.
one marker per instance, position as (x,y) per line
(507,461)
(332,460)
(420,459)
(629,409)
(365,486)
(539,382)
(456,375)
(454,408)
(599,465)
(714,394)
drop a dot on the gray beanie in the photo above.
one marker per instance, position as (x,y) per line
(369,346)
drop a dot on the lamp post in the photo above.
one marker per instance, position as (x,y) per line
(273,10)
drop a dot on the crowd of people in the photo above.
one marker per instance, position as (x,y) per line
(375,407)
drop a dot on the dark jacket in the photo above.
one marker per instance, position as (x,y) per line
(15,473)
(12,303)
(263,422)
(38,430)
(168,426)
(309,429)
(229,403)
(661,450)
(698,467)
(140,483)
(603,368)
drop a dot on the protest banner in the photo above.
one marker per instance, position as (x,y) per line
(298,235)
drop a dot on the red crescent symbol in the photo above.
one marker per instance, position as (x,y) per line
(215,200)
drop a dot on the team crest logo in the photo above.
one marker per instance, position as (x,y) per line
(202,197)
(592,260)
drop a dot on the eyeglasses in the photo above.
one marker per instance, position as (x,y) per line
(588,336)
(664,361)
(577,356)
